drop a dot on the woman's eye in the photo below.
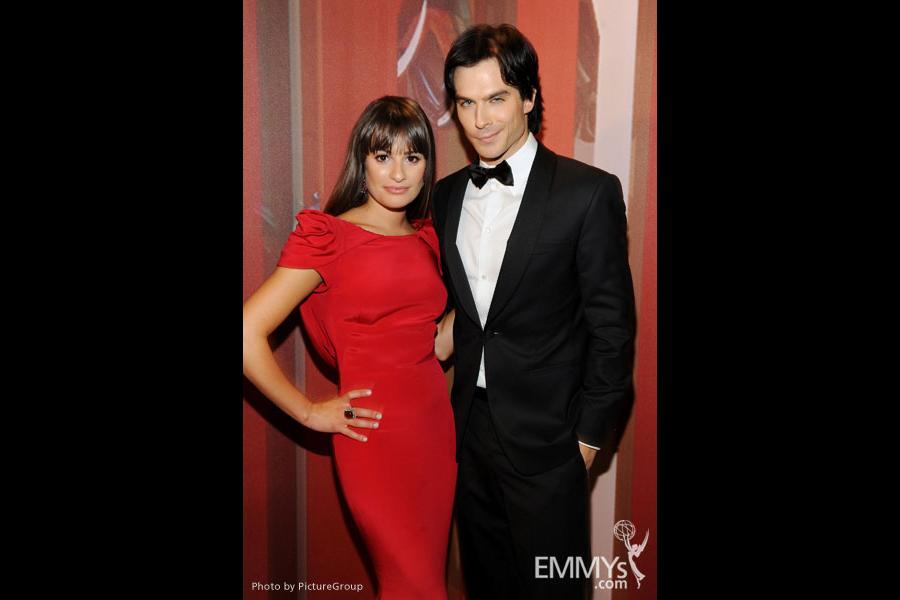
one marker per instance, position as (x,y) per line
(381,157)
(413,158)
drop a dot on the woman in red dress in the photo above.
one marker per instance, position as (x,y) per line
(367,272)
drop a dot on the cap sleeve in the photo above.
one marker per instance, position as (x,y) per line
(314,244)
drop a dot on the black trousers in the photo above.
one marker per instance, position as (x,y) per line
(506,520)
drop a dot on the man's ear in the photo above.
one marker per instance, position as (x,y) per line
(529,104)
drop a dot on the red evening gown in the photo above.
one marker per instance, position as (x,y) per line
(373,317)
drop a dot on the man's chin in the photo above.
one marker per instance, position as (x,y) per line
(488,154)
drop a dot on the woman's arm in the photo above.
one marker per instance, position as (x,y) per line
(263,312)
(443,341)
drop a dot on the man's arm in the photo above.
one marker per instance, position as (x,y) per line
(608,297)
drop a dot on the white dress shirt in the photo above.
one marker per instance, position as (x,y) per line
(487,219)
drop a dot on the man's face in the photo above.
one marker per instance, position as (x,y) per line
(492,113)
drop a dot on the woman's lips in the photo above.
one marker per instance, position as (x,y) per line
(396,190)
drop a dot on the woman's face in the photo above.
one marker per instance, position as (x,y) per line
(394,180)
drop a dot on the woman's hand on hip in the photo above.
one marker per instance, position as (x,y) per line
(330,417)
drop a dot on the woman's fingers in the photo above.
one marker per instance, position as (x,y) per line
(353,435)
(366,412)
(358,411)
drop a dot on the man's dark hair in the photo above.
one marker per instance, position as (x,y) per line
(515,54)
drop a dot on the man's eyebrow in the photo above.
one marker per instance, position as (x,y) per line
(487,97)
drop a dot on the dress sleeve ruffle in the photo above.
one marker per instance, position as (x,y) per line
(314,244)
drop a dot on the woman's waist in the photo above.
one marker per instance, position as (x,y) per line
(387,348)
(422,380)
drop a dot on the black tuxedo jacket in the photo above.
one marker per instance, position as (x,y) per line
(558,341)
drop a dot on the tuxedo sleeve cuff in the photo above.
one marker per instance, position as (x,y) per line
(588,445)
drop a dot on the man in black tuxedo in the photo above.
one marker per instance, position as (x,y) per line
(535,258)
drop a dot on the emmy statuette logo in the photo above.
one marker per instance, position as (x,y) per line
(624,530)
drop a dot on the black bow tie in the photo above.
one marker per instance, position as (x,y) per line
(480,175)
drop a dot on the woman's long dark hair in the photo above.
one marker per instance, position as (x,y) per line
(383,122)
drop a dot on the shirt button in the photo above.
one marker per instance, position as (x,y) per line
(487,229)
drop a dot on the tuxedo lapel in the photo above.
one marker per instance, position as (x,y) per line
(451,252)
(525,229)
